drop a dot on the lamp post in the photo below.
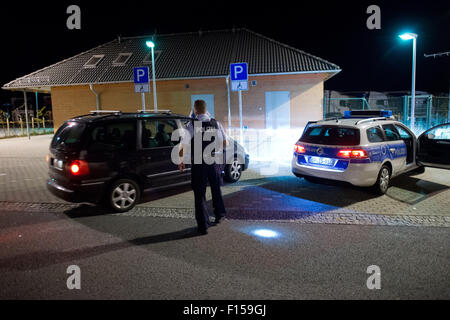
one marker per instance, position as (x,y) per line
(412,36)
(151,45)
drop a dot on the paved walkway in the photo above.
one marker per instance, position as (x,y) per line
(23,172)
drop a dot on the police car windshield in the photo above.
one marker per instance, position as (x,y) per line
(69,134)
(331,135)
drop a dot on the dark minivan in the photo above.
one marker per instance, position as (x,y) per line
(112,157)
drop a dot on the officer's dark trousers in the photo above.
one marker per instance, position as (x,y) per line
(201,175)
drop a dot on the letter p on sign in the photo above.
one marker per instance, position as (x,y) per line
(237,71)
(140,74)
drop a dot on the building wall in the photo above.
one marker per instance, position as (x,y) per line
(306,94)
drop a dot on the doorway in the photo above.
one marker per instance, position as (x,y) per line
(278,110)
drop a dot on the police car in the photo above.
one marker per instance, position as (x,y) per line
(368,148)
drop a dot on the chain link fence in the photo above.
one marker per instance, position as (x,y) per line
(429,110)
(19,128)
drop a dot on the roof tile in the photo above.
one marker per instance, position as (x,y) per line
(188,55)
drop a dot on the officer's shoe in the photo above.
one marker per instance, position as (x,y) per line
(202,231)
(219,219)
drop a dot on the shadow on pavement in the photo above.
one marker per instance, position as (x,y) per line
(87,210)
(412,190)
(160,194)
(294,195)
(41,259)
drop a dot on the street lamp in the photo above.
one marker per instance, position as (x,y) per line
(412,36)
(151,45)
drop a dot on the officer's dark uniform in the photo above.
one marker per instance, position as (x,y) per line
(203,173)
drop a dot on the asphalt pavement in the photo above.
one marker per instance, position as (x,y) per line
(23,174)
(128,257)
(285,239)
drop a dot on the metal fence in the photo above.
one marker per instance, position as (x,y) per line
(429,110)
(19,128)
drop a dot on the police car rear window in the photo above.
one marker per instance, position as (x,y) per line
(331,135)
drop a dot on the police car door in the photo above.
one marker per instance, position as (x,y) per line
(434,147)
(395,148)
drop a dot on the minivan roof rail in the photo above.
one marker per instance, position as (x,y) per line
(105,111)
(153,111)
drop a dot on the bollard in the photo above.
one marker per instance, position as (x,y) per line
(7,126)
(43,124)
(21,126)
(32,123)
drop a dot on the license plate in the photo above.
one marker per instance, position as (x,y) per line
(321,161)
(58,164)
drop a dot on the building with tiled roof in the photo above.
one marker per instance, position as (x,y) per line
(189,66)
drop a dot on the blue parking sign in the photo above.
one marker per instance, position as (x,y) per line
(238,71)
(141,75)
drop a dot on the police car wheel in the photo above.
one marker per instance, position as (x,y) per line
(383,181)
(233,171)
(123,195)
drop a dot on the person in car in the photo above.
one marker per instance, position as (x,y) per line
(162,137)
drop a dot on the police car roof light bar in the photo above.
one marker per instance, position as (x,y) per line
(367,114)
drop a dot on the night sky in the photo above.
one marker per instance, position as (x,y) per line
(34,35)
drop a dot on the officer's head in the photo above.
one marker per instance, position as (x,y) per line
(199,107)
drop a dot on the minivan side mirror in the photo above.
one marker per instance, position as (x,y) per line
(431,136)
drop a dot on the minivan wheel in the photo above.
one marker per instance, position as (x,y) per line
(123,195)
(233,171)
(383,181)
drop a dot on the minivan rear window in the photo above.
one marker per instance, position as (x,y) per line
(331,135)
(69,134)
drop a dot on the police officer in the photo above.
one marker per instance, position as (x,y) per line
(205,170)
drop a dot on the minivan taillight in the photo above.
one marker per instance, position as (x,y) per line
(79,168)
(353,154)
(299,149)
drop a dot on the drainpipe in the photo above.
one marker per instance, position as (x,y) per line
(97,95)
(229,105)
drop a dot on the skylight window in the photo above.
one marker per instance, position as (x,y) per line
(122,59)
(148,57)
(94,61)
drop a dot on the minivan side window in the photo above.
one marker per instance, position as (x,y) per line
(375,134)
(391,132)
(119,135)
(157,133)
